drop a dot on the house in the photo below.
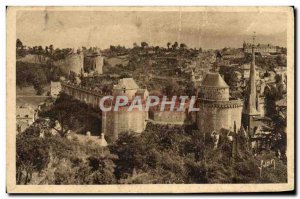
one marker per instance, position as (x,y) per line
(25,116)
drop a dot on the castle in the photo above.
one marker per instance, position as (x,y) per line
(73,62)
(115,122)
(82,63)
(259,48)
(216,110)
(81,93)
(93,61)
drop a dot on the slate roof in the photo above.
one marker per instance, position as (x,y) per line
(127,83)
(214,80)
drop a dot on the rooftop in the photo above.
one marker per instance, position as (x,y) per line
(127,83)
(214,80)
(23,111)
(259,45)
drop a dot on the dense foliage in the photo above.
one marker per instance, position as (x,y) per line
(161,154)
(74,115)
(58,160)
(36,75)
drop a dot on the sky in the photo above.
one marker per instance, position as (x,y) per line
(209,30)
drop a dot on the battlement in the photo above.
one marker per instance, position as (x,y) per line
(84,89)
(222,104)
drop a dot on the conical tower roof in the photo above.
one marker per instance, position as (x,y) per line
(127,83)
(214,80)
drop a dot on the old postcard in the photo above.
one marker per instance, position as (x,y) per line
(150,99)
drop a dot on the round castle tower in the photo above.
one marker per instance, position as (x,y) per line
(115,122)
(72,62)
(93,62)
(216,110)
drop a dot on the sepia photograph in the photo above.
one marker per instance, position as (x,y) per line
(150,99)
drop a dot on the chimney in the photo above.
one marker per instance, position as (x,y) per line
(103,142)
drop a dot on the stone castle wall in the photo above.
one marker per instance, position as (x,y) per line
(95,63)
(214,116)
(115,122)
(73,62)
(168,117)
(83,94)
(214,93)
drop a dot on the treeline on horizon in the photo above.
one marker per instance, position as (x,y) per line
(60,53)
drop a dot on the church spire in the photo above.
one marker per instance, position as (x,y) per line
(250,101)
(252,83)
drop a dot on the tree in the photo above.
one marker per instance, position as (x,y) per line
(102,167)
(124,75)
(135,45)
(168,45)
(51,49)
(128,148)
(40,50)
(32,155)
(62,111)
(32,74)
(73,115)
(20,48)
(156,49)
(175,45)
(281,60)
(64,173)
(279,141)
(183,46)
(171,89)
(47,50)
(144,45)
(38,80)
(112,48)
(19,44)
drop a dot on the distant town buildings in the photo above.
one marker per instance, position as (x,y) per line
(232,53)
(259,48)
(25,116)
